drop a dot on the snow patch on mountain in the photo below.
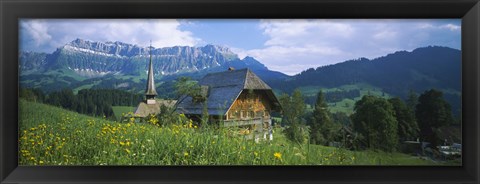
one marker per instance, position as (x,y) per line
(90,72)
(77,49)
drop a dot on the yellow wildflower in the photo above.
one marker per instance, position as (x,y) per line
(277,155)
(185,154)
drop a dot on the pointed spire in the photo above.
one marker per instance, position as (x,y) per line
(150,92)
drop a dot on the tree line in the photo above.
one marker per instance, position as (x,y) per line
(377,123)
(94,102)
(334,96)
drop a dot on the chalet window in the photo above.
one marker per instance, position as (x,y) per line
(242,114)
(250,114)
(259,114)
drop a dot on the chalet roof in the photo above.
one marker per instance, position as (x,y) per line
(223,89)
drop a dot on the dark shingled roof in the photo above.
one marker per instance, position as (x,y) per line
(223,89)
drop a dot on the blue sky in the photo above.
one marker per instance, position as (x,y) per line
(288,46)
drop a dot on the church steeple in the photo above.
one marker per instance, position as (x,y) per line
(150,92)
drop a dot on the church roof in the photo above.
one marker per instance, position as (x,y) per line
(145,109)
(150,82)
(223,89)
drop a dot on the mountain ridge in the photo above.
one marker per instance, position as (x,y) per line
(103,58)
(420,69)
(117,48)
(83,60)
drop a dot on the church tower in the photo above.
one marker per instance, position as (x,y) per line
(151,105)
(150,92)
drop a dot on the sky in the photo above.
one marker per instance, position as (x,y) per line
(285,45)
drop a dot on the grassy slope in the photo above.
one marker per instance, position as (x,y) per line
(119,110)
(54,136)
(345,105)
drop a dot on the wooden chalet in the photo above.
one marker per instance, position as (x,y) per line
(234,98)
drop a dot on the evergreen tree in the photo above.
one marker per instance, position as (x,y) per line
(374,119)
(27,94)
(432,112)
(321,126)
(341,118)
(97,102)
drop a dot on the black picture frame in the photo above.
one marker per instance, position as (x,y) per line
(13,10)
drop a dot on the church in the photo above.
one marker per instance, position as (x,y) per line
(151,105)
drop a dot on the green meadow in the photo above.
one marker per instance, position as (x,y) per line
(345,105)
(119,110)
(54,136)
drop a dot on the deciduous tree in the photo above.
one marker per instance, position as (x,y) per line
(432,112)
(374,119)
(292,116)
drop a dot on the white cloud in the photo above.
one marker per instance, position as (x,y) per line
(385,35)
(451,27)
(48,34)
(299,32)
(425,26)
(37,31)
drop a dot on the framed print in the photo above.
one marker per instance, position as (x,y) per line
(226,91)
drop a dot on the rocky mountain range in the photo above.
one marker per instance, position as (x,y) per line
(94,59)
(82,60)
